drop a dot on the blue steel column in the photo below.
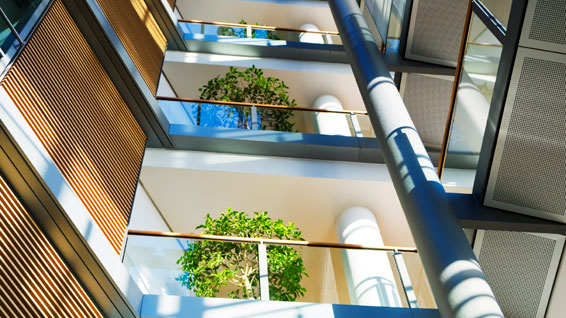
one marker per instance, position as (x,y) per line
(459,286)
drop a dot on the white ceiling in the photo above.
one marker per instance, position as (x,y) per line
(281,13)
(184,196)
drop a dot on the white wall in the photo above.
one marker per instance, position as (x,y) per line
(307,81)
(145,216)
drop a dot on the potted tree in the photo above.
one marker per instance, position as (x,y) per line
(251,86)
(209,266)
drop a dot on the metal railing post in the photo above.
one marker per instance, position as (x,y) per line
(408,289)
(254,117)
(263,274)
(249,33)
(356,125)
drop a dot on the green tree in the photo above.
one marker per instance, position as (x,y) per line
(209,265)
(251,86)
(241,32)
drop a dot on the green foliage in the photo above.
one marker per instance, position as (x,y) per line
(208,265)
(230,31)
(486,91)
(252,86)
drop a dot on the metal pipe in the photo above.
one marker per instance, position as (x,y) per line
(459,285)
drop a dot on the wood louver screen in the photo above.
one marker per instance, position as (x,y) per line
(34,280)
(72,106)
(172,3)
(140,34)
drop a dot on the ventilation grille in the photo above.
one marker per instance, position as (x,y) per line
(529,174)
(545,25)
(428,100)
(435,32)
(34,280)
(520,268)
(140,34)
(72,106)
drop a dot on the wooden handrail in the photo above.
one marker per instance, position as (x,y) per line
(221,102)
(237,239)
(261,27)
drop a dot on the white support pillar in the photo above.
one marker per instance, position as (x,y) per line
(328,123)
(311,37)
(368,273)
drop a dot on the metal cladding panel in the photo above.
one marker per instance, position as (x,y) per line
(34,280)
(140,34)
(435,31)
(427,98)
(72,106)
(520,268)
(545,25)
(528,174)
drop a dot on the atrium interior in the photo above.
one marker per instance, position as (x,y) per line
(417,145)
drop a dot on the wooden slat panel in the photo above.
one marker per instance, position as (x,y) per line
(34,280)
(140,34)
(69,101)
(172,3)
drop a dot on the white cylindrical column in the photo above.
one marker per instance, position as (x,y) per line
(368,273)
(311,37)
(328,123)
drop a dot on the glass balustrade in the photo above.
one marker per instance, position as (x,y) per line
(334,275)
(253,34)
(183,115)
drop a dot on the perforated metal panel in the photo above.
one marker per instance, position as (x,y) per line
(528,173)
(427,99)
(545,25)
(520,268)
(435,30)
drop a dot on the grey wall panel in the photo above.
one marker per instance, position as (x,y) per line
(520,268)
(435,31)
(545,25)
(427,98)
(528,173)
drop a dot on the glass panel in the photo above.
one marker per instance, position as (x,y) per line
(252,35)
(183,115)
(500,9)
(19,11)
(395,24)
(156,264)
(333,275)
(473,98)
(7,38)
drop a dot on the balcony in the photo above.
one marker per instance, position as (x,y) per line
(151,258)
(284,130)
(262,41)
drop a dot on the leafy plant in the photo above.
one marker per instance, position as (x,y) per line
(251,86)
(210,265)
(241,32)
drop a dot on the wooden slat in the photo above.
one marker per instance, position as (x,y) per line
(140,34)
(72,106)
(34,280)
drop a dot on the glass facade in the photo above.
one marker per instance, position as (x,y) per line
(472,102)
